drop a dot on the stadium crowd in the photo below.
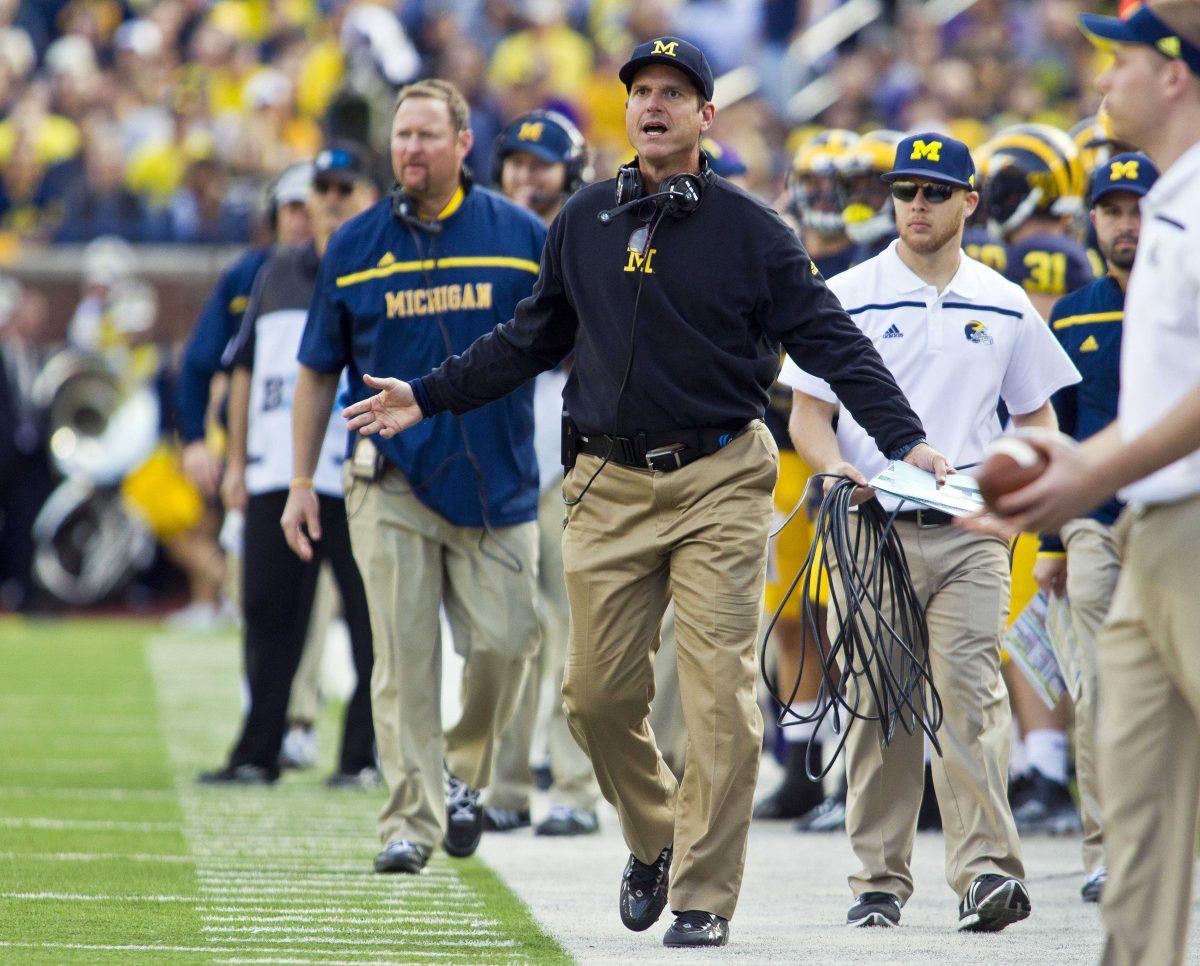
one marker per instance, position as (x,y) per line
(189,122)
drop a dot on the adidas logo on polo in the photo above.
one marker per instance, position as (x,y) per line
(893,333)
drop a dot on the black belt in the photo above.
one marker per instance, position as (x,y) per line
(664,452)
(925,518)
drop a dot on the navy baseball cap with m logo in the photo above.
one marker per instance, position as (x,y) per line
(1132,172)
(936,157)
(684,57)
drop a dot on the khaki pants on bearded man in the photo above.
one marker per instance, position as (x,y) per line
(637,539)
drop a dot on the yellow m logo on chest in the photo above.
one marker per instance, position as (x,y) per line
(637,262)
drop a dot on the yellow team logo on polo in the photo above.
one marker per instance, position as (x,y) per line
(931,151)
(530,131)
(661,48)
(1119,170)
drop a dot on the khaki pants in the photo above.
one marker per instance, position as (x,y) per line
(638,539)
(574,784)
(1093,567)
(666,710)
(962,580)
(413,561)
(1149,737)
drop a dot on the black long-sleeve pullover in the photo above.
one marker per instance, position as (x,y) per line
(724,288)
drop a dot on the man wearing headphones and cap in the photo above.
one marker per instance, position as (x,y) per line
(540,160)
(1083,561)
(675,290)
(951,329)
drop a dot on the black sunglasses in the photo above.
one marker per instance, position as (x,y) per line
(324,185)
(934,193)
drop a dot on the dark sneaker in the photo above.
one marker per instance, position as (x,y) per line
(993,902)
(505,819)
(401,855)
(366,778)
(644,891)
(797,794)
(238,775)
(696,928)
(464,818)
(874,909)
(1047,808)
(829,816)
(564,820)
(1093,885)
(1018,789)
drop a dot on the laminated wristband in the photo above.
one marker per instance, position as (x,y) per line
(301,483)
(902,451)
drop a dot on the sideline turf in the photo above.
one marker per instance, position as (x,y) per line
(102,726)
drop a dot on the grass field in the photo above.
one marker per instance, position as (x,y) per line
(110,853)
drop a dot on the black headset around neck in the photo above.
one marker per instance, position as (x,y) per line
(406,209)
(678,196)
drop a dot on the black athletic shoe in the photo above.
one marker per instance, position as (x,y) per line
(697,928)
(401,855)
(929,818)
(505,819)
(464,818)
(644,891)
(874,909)
(1047,808)
(564,820)
(797,794)
(238,775)
(1018,789)
(993,902)
(1093,885)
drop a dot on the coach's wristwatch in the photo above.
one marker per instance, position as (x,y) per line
(900,452)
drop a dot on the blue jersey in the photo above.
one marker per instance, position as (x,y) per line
(383,295)
(1045,264)
(218,324)
(1087,324)
(979,245)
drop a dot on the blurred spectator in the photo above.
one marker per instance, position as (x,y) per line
(202,210)
(100,203)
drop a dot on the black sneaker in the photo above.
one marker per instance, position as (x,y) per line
(797,794)
(874,909)
(829,816)
(1018,789)
(1047,808)
(697,928)
(238,775)
(564,820)
(464,818)
(644,891)
(993,902)
(1093,885)
(505,819)
(401,855)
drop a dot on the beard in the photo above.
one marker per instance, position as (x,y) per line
(1121,258)
(928,242)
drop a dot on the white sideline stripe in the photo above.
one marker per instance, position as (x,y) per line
(84,794)
(90,824)
(391,909)
(399,932)
(465,918)
(272,890)
(99,857)
(447,943)
(216,949)
(357,871)
(383,902)
(83,897)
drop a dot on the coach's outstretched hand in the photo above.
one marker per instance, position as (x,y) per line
(390,411)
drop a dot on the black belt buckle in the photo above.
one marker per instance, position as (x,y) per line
(665,458)
(928,519)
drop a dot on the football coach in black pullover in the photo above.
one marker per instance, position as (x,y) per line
(675,289)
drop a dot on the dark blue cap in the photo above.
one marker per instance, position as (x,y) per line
(674,53)
(546,134)
(1143,27)
(346,161)
(722,159)
(1131,171)
(933,156)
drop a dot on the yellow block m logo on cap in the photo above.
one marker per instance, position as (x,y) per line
(1120,170)
(661,48)
(931,151)
(1170,46)
(530,131)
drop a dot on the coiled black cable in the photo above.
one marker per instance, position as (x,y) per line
(881,650)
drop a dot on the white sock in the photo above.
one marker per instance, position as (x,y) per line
(1046,749)
(1018,761)
(796,732)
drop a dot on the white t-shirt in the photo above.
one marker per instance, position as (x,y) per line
(1160,344)
(955,355)
(547,425)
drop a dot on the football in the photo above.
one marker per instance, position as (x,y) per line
(1009,463)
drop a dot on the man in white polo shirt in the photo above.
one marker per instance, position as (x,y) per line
(959,338)
(1148,739)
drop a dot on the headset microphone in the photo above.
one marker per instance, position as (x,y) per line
(683,197)
(404,208)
